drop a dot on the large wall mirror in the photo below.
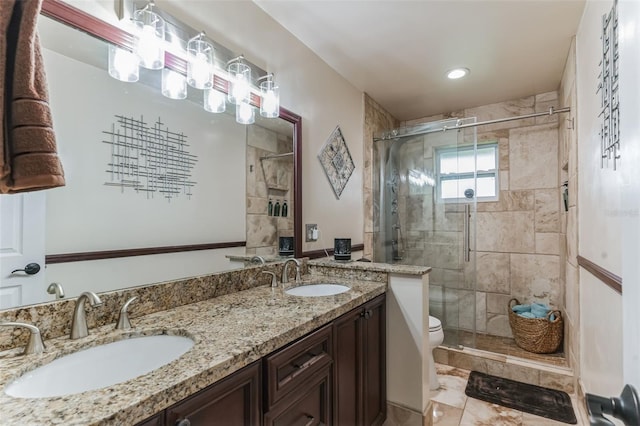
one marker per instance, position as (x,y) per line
(207,197)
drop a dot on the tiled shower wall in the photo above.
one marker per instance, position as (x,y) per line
(517,237)
(568,164)
(376,119)
(268,179)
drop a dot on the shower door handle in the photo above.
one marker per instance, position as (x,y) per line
(466,243)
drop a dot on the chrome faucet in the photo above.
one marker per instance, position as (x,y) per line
(55,288)
(274,280)
(35,344)
(79,323)
(285,272)
(123,318)
(257,259)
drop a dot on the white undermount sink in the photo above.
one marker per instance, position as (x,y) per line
(99,366)
(317,290)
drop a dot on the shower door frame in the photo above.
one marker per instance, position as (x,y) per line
(385,148)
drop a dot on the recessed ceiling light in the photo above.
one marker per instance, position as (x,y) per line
(456,73)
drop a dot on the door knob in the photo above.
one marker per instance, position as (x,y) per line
(626,407)
(30,269)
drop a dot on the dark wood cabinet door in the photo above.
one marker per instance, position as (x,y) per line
(346,364)
(234,401)
(360,367)
(374,395)
(311,406)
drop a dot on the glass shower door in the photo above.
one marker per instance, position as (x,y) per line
(423,201)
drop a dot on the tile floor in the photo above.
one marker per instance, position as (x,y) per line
(453,408)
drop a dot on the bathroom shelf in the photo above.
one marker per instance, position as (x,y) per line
(277,188)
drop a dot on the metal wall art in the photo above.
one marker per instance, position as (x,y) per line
(336,161)
(149,159)
(608,89)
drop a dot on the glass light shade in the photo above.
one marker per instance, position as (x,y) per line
(245,113)
(214,101)
(270,103)
(123,65)
(240,79)
(150,38)
(174,84)
(199,63)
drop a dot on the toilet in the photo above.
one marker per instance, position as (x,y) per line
(436,337)
(443,301)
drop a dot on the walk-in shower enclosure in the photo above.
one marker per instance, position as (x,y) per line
(426,181)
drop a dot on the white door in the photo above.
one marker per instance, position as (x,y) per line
(22,239)
(629,20)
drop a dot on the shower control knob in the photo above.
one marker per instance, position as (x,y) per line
(468,193)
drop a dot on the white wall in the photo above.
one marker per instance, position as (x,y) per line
(408,349)
(599,225)
(308,87)
(630,110)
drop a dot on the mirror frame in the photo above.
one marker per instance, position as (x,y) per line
(82,21)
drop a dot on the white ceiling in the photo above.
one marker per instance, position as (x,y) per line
(398,51)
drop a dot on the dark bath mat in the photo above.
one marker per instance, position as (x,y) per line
(543,402)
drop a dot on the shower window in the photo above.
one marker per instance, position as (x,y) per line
(456,168)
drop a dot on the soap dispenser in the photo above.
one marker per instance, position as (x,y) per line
(276,209)
(284,209)
(270,208)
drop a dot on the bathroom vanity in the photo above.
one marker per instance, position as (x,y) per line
(246,344)
(260,355)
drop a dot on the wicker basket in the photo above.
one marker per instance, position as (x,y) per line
(537,335)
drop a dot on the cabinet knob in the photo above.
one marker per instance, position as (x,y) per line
(183,422)
(367,314)
(310,420)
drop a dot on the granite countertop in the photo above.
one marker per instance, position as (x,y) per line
(371,266)
(230,332)
(247,257)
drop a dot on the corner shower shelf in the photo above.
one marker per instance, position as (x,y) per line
(277,188)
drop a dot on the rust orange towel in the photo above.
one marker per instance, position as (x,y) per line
(28,154)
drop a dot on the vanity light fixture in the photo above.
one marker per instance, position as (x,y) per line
(239,81)
(174,84)
(200,62)
(214,101)
(457,73)
(158,35)
(270,97)
(245,113)
(123,64)
(149,45)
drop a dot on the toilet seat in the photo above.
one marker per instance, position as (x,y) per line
(434,324)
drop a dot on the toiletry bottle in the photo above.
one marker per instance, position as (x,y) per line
(276,209)
(270,208)
(284,209)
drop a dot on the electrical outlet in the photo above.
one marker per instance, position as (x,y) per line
(311,232)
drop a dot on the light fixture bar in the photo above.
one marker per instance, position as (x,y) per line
(178,34)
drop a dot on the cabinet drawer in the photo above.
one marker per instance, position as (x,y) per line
(310,406)
(290,367)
